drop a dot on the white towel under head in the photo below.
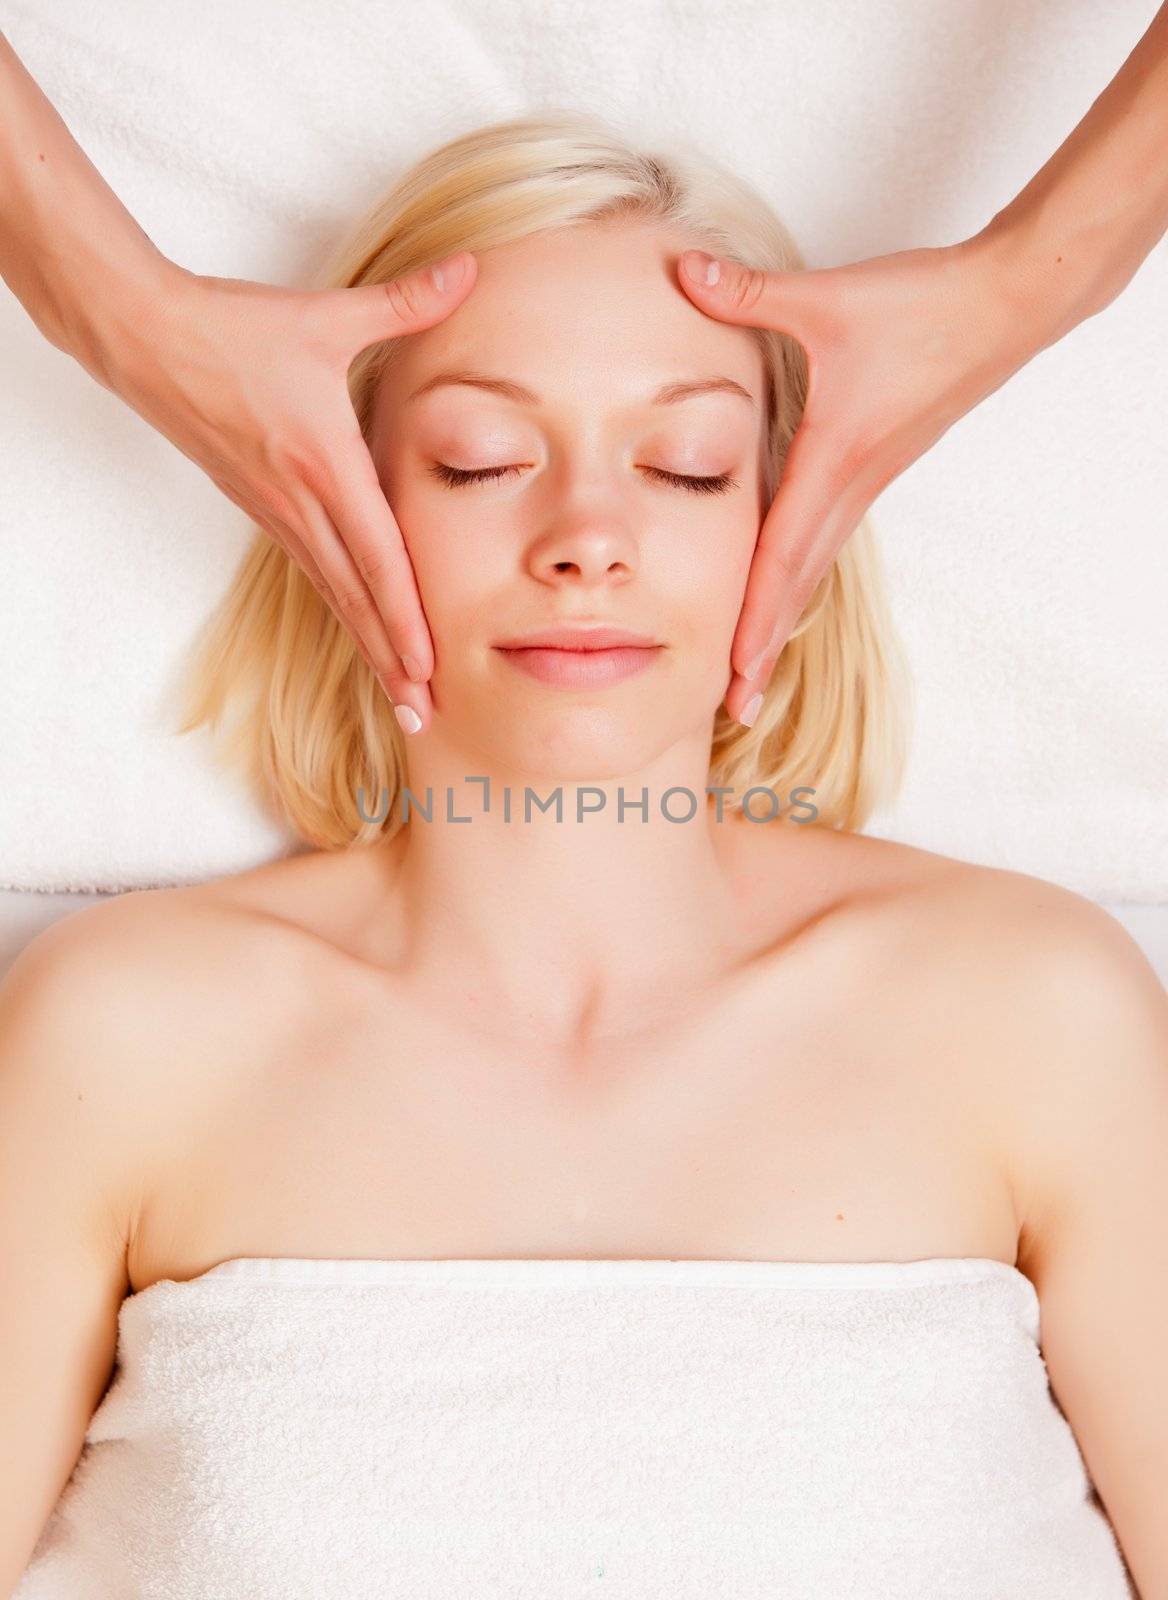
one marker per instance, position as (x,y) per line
(1025,550)
(480,1429)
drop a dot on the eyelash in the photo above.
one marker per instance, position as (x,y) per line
(455,476)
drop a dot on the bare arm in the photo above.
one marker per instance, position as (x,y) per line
(64,1217)
(1089,1091)
(1083,224)
(61,225)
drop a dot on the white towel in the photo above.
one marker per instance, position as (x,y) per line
(639,1430)
(1026,550)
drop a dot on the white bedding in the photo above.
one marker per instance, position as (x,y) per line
(1026,550)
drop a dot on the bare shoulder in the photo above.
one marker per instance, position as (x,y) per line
(1056,964)
(1086,1074)
(1052,964)
(146,996)
(85,1009)
(1046,996)
(154,969)
(137,954)
(1064,1021)
(993,923)
(102,964)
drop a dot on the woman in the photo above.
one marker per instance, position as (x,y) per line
(818,1121)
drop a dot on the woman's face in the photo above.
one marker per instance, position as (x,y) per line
(574,524)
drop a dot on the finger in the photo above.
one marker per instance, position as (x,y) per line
(390,672)
(787,302)
(810,519)
(291,541)
(299,551)
(786,571)
(282,534)
(362,516)
(370,312)
(359,616)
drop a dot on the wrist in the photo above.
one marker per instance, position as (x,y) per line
(103,300)
(1032,279)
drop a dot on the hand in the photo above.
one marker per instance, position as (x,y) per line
(898,348)
(250,382)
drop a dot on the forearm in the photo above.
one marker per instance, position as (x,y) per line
(1080,228)
(68,247)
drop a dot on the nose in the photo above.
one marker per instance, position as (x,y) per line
(590,555)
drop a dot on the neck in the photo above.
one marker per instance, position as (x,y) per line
(574,922)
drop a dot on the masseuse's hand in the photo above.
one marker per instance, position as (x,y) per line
(249,381)
(898,347)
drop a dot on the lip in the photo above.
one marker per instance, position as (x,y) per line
(578,638)
(581,658)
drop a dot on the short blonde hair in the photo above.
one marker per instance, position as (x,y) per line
(312,724)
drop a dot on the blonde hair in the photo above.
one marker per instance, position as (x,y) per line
(313,725)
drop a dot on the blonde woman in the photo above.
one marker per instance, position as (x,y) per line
(621,1175)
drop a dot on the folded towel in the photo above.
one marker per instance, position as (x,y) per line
(642,1430)
(1025,550)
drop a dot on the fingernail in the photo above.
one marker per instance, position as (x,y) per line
(408,718)
(750,711)
(701,267)
(413,668)
(753,668)
(447,273)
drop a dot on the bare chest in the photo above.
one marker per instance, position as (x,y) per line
(791,1117)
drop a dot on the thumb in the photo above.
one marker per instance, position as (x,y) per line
(731,292)
(377,311)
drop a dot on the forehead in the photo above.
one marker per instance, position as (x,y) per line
(587,312)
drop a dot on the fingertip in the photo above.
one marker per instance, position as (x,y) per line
(453,272)
(701,269)
(748,716)
(412,706)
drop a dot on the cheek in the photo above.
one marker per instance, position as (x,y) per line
(461,579)
(713,562)
(701,592)
(451,585)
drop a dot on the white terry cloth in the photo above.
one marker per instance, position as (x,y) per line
(559,1429)
(1025,549)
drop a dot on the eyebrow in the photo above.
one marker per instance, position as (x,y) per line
(669,394)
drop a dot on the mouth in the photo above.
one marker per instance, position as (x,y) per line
(581,666)
(590,636)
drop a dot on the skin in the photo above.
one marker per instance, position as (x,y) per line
(644,554)
(899,348)
(728,1041)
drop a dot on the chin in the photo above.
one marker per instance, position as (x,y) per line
(580,747)
(556,742)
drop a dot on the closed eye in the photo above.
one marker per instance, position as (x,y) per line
(454,476)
